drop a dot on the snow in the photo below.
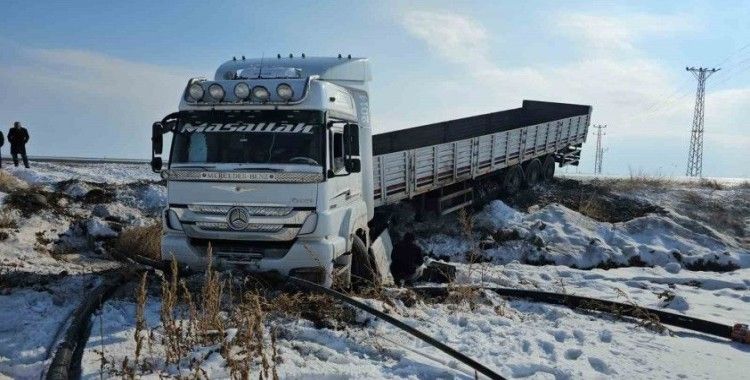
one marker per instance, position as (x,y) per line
(50,172)
(515,338)
(97,228)
(33,319)
(565,237)
(673,267)
(651,259)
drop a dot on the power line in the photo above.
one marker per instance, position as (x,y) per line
(740,56)
(695,156)
(599,149)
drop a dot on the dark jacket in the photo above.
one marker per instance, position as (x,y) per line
(405,259)
(2,139)
(18,137)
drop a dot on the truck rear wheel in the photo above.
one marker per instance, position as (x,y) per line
(533,173)
(363,272)
(513,179)
(548,168)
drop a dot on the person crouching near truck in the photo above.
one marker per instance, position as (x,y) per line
(18,136)
(407,260)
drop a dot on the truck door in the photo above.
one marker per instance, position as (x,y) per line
(344,183)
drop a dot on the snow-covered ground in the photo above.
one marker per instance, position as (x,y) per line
(654,259)
(52,172)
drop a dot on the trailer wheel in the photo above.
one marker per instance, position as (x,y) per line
(363,272)
(533,173)
(513,179)
(548,168)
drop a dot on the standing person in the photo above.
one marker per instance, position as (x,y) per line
(407,260)
(18,136)
(2,142)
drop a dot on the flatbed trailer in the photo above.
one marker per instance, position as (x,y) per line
(415,161)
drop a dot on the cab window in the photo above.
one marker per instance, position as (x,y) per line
(336,150)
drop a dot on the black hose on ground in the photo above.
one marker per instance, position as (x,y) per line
(401,325)
(618,308)
(76,335)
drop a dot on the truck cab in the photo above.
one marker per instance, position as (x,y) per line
(270,166)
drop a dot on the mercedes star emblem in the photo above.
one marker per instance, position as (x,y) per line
(238,218)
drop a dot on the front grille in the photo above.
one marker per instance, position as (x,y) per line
(220,226)
(252,210)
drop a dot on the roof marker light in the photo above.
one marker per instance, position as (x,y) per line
(216,91)
(261,93)
(284,91)
(242,90)
(195,91)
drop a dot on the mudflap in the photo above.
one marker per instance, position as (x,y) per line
(380,249)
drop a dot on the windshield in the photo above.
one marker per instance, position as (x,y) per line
(255,137)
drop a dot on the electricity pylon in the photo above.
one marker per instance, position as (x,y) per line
(599,149)
(695,156)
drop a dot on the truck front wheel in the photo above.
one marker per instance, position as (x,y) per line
(363,272)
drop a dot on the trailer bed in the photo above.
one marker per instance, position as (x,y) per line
(418,160)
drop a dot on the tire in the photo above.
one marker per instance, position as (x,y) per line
(512,180)
(363,272)
(548,168)
(532,173)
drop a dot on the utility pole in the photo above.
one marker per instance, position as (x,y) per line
(695,156)
(599,149)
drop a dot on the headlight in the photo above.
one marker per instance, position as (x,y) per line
(309,225)
(242,90)
(285,91)
(196,92)
(173,221)
(216,91)
(261,93)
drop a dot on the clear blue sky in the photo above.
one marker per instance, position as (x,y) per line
(88,78)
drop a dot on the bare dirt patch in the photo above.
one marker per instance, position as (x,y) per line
(34,200)
(593,199)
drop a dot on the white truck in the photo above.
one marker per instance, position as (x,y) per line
(274,165)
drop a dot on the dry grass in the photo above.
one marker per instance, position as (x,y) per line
(216,314)
(140,320)
(637,180)
(645,318)
(140,241)
(710,184)
(195,324)
(8,219)
(9,183)
(476,257)
(595,209)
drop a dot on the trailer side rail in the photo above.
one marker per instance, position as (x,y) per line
(405,174)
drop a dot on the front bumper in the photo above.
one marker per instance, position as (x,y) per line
(304,256)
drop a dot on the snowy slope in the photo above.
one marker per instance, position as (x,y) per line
(51,172)
(649,259)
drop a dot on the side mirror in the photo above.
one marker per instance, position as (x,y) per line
(353,165)
(156,164)
(157,138)
(351,140)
